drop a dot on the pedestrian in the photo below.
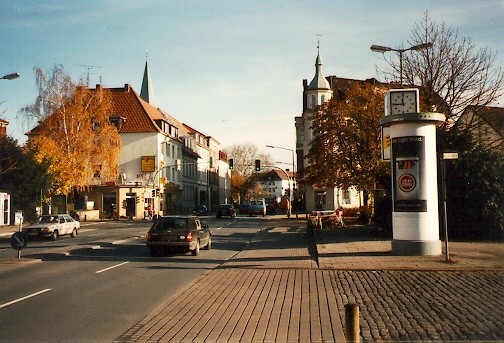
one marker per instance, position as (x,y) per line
(339,213)
(149,212)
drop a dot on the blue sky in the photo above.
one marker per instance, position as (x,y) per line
(230,69)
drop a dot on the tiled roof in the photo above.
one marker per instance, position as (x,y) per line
(494,116)
(126,103)
(139,114)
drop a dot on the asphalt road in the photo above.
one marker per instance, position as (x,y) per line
(96,286)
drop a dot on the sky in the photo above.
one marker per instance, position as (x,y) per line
(231,69)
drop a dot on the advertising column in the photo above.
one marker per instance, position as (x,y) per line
(413,160)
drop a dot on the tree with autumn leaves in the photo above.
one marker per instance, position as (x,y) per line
(74,135)
(346,150)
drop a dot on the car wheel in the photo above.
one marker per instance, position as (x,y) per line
(195,252)
(209,245)
(74,233)
(55,235)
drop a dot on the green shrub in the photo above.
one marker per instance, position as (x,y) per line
(475,196)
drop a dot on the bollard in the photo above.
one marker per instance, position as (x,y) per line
(352,323)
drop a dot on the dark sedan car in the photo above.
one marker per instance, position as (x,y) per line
(200,210)
(178,233)
(226,210)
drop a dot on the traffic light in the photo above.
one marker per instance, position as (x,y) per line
(231,163)
(157,191)
(153,193)
(257,165)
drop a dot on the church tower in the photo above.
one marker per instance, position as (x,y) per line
(319,90)
(147,92)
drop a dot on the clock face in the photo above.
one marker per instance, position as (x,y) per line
(403,102)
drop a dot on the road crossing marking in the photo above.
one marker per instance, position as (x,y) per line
(24,298)
(115,266)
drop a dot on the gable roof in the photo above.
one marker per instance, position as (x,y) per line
(139,114)
(494,117)
(275,175)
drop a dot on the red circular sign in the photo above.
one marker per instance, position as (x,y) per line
(407,182)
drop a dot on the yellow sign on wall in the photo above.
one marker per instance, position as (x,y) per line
(385,143)
(148,164)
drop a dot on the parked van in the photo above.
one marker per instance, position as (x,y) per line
(257,206)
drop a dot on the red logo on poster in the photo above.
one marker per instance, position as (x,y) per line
(407,182)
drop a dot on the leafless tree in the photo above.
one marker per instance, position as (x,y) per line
(244,156)
(453,73)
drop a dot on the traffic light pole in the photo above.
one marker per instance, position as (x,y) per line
(159,183)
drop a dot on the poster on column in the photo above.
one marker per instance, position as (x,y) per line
(408,174)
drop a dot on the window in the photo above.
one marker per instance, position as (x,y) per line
(346,197)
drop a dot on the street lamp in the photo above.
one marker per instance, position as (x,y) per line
(384,49)
(293,172)
(10,76)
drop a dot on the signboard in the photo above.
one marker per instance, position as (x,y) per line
(18,218)
(450,156)
(385,143)
(148,164)
(19,240)
(408,174)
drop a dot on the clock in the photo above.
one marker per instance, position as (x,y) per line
(403,101)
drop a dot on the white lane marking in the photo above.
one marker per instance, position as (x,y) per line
(26,297)
(115,266)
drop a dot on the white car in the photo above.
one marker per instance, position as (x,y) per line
(53,226)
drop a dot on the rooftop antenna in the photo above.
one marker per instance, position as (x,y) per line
(89,67)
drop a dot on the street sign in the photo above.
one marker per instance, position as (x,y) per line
(19,240)
(450,156)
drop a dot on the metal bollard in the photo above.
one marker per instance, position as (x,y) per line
(352,323)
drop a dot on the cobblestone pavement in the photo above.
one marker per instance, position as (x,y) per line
(424,305)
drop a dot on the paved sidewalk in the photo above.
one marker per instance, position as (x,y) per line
(363,248)
(269,292)
(273,291)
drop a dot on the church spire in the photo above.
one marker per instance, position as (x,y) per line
(147,92)
(319,81)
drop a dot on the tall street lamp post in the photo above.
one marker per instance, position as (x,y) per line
(10,76)
(384,49)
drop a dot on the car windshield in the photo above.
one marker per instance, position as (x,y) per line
(47,219)
(164,224)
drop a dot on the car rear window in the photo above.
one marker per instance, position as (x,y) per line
(164,224)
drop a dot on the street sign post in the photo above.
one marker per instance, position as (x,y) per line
(19,241)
